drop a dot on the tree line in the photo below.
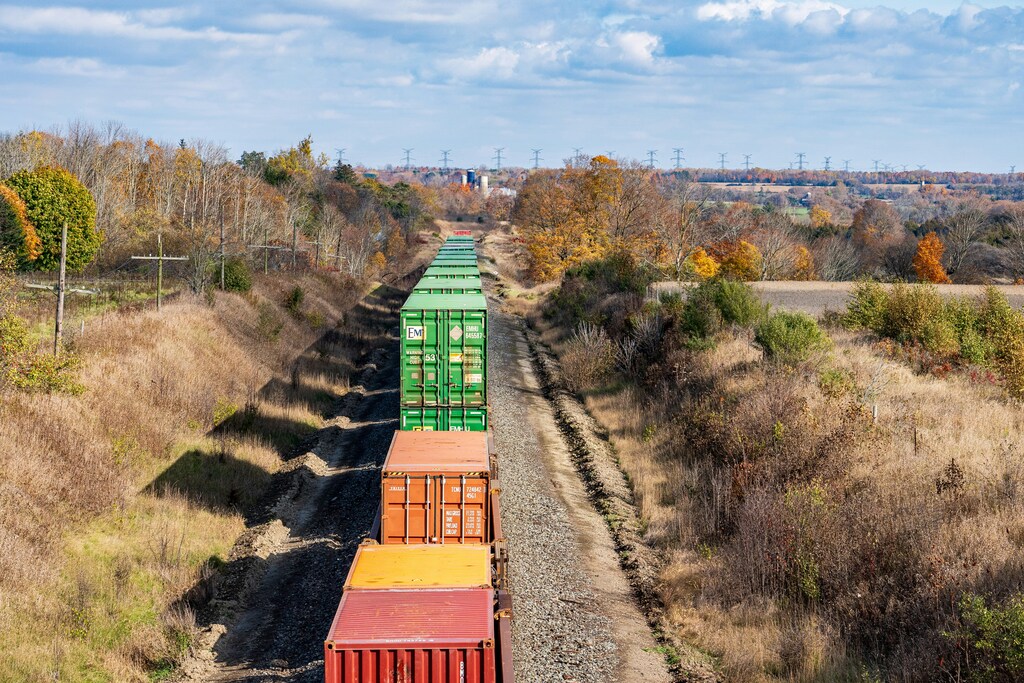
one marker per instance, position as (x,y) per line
(687,229)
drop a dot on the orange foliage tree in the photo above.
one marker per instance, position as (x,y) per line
(17,234)
(928,260)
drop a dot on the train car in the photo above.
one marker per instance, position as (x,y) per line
(451,566)
(444,351)
(420,636)
(449,285)
(439,487)
(451,270)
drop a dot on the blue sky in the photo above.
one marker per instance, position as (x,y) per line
(907,84)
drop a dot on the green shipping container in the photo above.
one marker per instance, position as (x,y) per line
(451,270)
(444,419)
(444,350)
(449,285)
(456,260)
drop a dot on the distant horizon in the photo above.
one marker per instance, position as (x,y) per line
(903,81)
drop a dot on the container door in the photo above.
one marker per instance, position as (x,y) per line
(406,509)
(464,505)
(421,371)
(475,359)
(421,419)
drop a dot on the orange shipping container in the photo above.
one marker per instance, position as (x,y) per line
(437,488)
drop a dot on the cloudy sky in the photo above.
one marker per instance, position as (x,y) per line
(905,83)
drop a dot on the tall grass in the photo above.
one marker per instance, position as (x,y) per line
(115,502)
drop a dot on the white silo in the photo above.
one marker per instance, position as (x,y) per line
(483,185)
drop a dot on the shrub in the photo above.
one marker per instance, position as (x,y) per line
(52,197)
(268,326)
(293,302)
(700,320)
(965,318)
(237,276)
(1004,328)
(588,358)
(867,306)
(992,637)
(790,338)
(619,272)
(737,302)
(912,313)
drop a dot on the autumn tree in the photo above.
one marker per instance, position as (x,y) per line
(803,265)
(739,259)
(683,210)
(928,260)
(703,266)
(17,234)
(53,197)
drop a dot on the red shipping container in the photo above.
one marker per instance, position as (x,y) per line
(437,488)
(413,636)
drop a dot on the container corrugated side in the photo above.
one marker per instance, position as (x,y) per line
(413,636)
(443,419)
(444,350)
(452,270)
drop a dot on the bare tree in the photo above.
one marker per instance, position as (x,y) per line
(836,258)
(683,214)
(773,236)
(1014,226)
(962,231)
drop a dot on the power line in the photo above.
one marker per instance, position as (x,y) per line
(828,163)
(497,155)
(746,161)
(800,156)
(651,156)
(408,158)
(159,258)
(876,162)
(536,158)
(444,159)
(678,151)
(721,160)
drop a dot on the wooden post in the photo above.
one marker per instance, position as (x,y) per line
(58,331)
(222,252)
(266,250)
(159,270)
(295,243)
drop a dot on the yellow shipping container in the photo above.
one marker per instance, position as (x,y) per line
(420,566)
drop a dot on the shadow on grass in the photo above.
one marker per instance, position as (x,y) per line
(216,480)
(284,435)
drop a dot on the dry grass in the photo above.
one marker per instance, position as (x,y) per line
(714,493)
(114,503)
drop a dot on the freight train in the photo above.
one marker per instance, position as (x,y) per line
(426,599)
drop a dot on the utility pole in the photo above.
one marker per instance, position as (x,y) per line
(800,160)
(59,289)
(678,151)
(721,160)
(159,258)
(497,155)
(828,163)
(444,160)
(536,158)
(408,159)
(651,154)
(266,247)
(59,329)
(746,162)
(222,255)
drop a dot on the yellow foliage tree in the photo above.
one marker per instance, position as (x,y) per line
(928,260)
(820,217)
(739,259)
(702,264)
(803,265)
(17,234)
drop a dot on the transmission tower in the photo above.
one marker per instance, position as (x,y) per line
(341,156)
(651,155)
(721,160)
(876,162)
(746,161)
(1013,169)
(800,156)
(678,151)
(408,158)
(846,165)
(828,163)
(444,159)
(497,157)
(536,158)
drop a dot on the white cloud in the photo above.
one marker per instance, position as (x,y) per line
(789,12)
(279,21)
(494,62)
(81,21)
(69,66)
(416,11)
(636,47)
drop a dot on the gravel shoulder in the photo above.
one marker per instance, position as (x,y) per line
(574,614)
